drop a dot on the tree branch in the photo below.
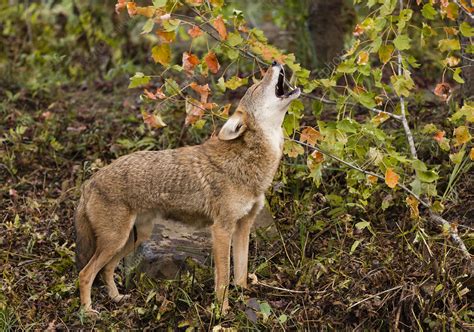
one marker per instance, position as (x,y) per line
(406,127)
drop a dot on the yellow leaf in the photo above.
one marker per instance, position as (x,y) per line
(462,135)
(391,178)
(363,58)
(471,154)
(162,54)
(166,36)
(413,204)
(372,179)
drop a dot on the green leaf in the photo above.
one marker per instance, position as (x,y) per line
(467,110)
(445,45)
(402,84)
(234,39)
(466,29)
(428,12)
(427,176)
(363,224)
(402,42)
(457,77)
(366,98)
(236,82)
(456,158)
(348,125)
(347,67)
(148,26)
(265,308)
(159,3)
(172,87)
(354,246)
(138,79)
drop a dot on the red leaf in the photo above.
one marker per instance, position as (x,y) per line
(443,90)
(189,62)
(195,32)
(212,62)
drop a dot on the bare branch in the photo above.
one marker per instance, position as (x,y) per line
(331,102)
(406,127)
(464,9)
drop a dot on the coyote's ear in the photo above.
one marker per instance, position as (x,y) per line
(234,127)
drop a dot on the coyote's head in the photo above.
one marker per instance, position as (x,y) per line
(265,104)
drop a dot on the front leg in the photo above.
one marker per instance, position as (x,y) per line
(221,238)
(240,244)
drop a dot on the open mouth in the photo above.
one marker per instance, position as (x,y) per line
(280,87)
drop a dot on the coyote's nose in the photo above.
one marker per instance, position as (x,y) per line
(274,63)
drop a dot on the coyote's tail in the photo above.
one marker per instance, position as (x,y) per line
(85,239)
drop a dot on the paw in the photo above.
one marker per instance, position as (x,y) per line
(90,313)
(120,297)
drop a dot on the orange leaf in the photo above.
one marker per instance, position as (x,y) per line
(203,91)
(358,30)
(166,36)
(212,62)
(132,8)
(153,120)
(220,27)
(372,179)
(318,157)
(159,93)
(391,178)
(310,135)
(194,112)
(195,31)
(148,11)
(121,4)
(438,137)
(471,154)
(149,94)
(226,109)
(189,62)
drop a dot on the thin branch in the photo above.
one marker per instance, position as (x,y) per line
(357,168)
(453,231)
(464,9)
(331,102)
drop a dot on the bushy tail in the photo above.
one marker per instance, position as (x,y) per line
(85,239)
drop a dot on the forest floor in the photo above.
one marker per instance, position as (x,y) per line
(316,270)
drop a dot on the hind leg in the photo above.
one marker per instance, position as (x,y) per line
(112,228)
(144,229)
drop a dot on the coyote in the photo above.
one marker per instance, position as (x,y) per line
(220,183)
